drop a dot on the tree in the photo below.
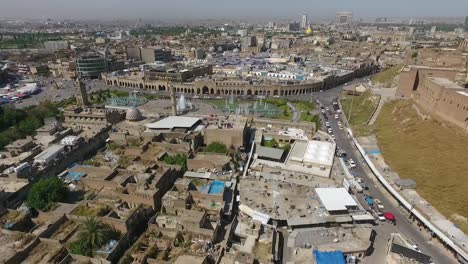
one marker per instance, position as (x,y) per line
(92,235)
(216,147)
(178,159)
(45,192)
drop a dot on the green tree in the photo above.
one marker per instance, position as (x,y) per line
(91,236)
(178,159)
(216,147)
(45,192)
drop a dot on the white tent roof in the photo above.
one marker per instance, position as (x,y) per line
(335,199)
(319,152)
(174,121)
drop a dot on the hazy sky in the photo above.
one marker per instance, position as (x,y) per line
(179,9)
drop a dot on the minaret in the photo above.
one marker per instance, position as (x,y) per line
(173,101)
(81,94)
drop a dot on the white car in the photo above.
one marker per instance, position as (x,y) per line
(333,136)
(338,111)
(330,131)
(327,124)
(336,116)
(381,216)
(327,108)
(352,164)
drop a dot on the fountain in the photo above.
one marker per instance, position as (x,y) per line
(183,105)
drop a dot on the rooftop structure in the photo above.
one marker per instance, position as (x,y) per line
(336,200)
(175,122)
(269,153)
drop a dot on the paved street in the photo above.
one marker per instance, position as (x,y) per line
(403,225)
(296,114)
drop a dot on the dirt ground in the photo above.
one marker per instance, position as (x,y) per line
(431,153)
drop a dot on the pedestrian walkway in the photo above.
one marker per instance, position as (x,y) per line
(386,94)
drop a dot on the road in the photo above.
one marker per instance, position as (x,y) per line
(403,225)
(296,114)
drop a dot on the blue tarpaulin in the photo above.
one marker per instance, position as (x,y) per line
(332,257)
(369,200)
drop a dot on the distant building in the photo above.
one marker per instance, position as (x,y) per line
(242,32)
(433,31)
(150,55)
(250,41)
(295,26)
(56,45)
(304,21)
(91,65)
(133,53)
(344,17)
(415,21)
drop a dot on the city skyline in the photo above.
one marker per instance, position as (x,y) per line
(261,9)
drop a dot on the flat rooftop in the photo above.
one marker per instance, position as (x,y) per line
(446,83)
(313,151)
(172,122)
(12,186)
(335,199)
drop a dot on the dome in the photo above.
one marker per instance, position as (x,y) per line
(133,114)
(309,31)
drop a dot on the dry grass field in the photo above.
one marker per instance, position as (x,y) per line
(429,152)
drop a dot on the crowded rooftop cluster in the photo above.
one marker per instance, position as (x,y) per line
(231,142)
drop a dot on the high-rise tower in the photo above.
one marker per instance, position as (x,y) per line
(304,21)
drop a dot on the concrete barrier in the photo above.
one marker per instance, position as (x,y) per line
(405,203)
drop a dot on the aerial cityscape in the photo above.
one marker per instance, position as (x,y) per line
(234,132)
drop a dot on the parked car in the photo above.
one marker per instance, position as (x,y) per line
(330,131)
(352,164)
(327,124)
(378,204)
(381,216)
(336,116)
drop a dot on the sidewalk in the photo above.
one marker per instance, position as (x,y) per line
(459,237)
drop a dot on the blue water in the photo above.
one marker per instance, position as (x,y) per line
(216,187)
(373,152)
